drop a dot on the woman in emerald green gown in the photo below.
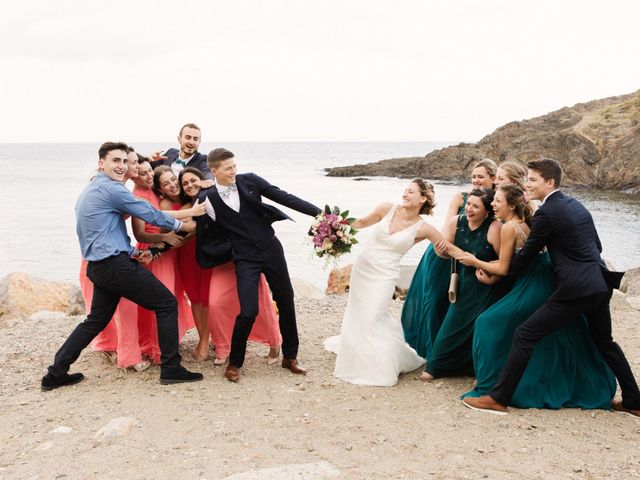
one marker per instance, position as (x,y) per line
(566,369)
(426,302)
(449,337)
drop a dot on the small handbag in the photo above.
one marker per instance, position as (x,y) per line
(453,283)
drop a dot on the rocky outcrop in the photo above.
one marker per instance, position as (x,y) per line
(630,286)
(598,144)
(338,281)
(22,295)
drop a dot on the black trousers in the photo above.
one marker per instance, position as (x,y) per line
(554,314)
(113,278)
(272,263)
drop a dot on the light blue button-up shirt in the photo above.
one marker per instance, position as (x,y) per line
(100,211)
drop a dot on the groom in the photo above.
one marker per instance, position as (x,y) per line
(584,287)
(235,204)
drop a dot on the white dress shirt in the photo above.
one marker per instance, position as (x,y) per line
(176,168)
(232,199)
(548,195)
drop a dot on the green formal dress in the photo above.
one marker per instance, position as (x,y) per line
(450,352)
(565,370)
(426,300)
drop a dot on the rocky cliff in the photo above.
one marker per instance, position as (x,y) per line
(598,144)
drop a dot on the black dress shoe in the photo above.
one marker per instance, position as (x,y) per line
(178,374)
(293,365)
(49,382)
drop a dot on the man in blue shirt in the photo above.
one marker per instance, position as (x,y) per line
(115,270)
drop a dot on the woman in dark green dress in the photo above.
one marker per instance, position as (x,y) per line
(566,369)
(426,299)
(448,350)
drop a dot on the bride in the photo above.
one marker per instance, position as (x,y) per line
(371,348)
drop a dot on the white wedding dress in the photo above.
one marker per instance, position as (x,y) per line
(371,348)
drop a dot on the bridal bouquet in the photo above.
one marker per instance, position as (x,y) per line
(332,234)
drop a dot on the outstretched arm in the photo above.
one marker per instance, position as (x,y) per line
(170,238)
(430,233)
(445,247)
(372,218)
(283,198)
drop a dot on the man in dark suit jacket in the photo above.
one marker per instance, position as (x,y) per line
(584,287)
(235,204)
(187,156)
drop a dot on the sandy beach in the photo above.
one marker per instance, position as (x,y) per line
(273,424)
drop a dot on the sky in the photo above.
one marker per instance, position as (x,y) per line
(301,70)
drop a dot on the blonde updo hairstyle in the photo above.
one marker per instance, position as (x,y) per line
(516,173)
(489,165)
(426,190)
(515,197)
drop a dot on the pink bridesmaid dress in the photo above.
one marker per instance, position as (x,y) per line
(195,279)
(165,270)
(224,307)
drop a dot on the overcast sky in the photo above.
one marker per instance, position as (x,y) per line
(279,70)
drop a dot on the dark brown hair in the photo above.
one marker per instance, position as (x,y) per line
(106,147)
(184,198)
(426,190)
(218,155)
(189,125)
(157,173)
(486,196)
(548,169)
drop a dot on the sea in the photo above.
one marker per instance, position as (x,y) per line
(44,180)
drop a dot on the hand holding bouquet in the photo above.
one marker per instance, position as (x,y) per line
(332,234)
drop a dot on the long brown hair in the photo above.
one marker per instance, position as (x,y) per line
(515,197)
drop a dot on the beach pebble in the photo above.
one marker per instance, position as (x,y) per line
(118,427)
(62,429)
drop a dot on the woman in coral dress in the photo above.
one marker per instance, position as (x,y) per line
(190,278)
(163,267)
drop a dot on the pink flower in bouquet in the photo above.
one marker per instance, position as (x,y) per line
(332,234)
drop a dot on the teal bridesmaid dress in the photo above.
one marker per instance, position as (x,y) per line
(449,340)
(565,370)
(426,302)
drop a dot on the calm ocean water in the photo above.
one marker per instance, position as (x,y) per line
(45,179)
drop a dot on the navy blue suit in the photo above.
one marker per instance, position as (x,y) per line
(256,250)
(198,160)
(584,287)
